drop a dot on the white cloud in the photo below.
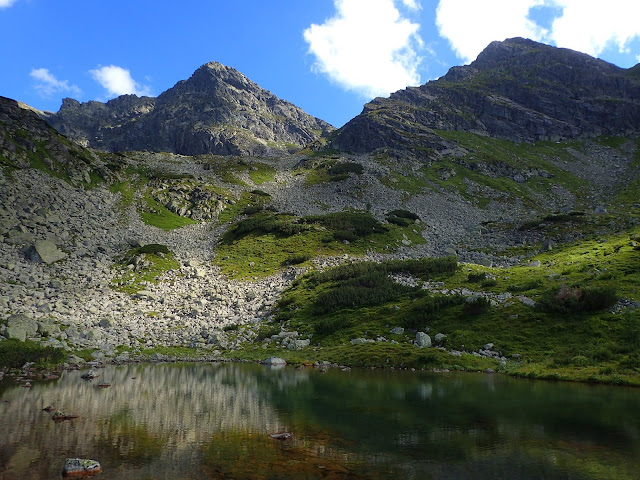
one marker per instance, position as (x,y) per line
(6,3)
(412,4)
(588,26)
(367,47)
(470,25)
(118,81)
(47,84)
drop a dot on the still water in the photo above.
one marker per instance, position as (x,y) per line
(202,421)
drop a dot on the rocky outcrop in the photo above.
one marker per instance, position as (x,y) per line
(27,141)
(218,110)
(517,90)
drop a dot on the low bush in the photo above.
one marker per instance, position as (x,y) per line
(327,326)
(264,223)
(577,299)
(489,282)
(476,306)
(297,259)
(531,285)
(14,354)
(345,168)
(153,248)
(348,225)
(476,277)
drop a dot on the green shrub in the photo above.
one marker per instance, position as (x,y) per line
(489,282)
(343,169)
(531,285)
(348,225)
(260,193)
(423,267)
(327,326)
(406,214)
(476,277)
(14,354)
(579,361)
(401,222)
(402,218)
(374,288)
(153,248)
(427,308)
(297,259)
(231,327)
(252,210)
(261,224)
(476,306)
(267,331)
(577,299)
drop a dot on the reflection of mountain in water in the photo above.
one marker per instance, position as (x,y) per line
(165,407)
(211,421)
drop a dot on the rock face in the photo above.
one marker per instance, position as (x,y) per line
(218,110)
(27,141)
(518,90)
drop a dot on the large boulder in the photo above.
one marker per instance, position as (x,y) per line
(20,327)
(45,251)
(423,340)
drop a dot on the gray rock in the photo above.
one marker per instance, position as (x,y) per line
(397,330)
(75,360)
(298,344)
(275,361)
(360,341)
(439,337)
(107,322)
(534,264)
(527,301)
(423,340)
(45,251)
(20,327)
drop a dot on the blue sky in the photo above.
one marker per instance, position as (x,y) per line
(329,57)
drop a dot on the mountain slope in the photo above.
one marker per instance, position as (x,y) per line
(516,90)
(218,110)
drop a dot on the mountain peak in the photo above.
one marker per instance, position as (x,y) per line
(517,90)
(217,110)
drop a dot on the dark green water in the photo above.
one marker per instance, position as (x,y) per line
(199,421)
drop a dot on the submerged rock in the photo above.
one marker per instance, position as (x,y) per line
(80,467)
(59,416)
(275,361)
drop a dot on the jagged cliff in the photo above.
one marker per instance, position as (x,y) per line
(218,110)
(517,90)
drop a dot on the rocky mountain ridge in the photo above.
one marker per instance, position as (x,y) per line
(517,90)
(216,111)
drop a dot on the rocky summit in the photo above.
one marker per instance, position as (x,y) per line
(517,90)
(218,110)
(486,220)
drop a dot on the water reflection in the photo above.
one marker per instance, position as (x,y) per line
(212,421)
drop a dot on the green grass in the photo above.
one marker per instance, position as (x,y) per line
(158,216)
(157,261)
(585,344)
(264,243)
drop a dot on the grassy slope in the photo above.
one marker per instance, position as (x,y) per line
(596,346)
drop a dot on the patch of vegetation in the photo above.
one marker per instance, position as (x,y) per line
(349,226)
(476,306)
(577,299)
(14,354)
(142,266)
(158,215)
(345,168)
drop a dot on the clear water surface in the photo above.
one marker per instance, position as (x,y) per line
(210,421)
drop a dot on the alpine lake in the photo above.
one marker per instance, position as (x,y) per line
(217,421)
